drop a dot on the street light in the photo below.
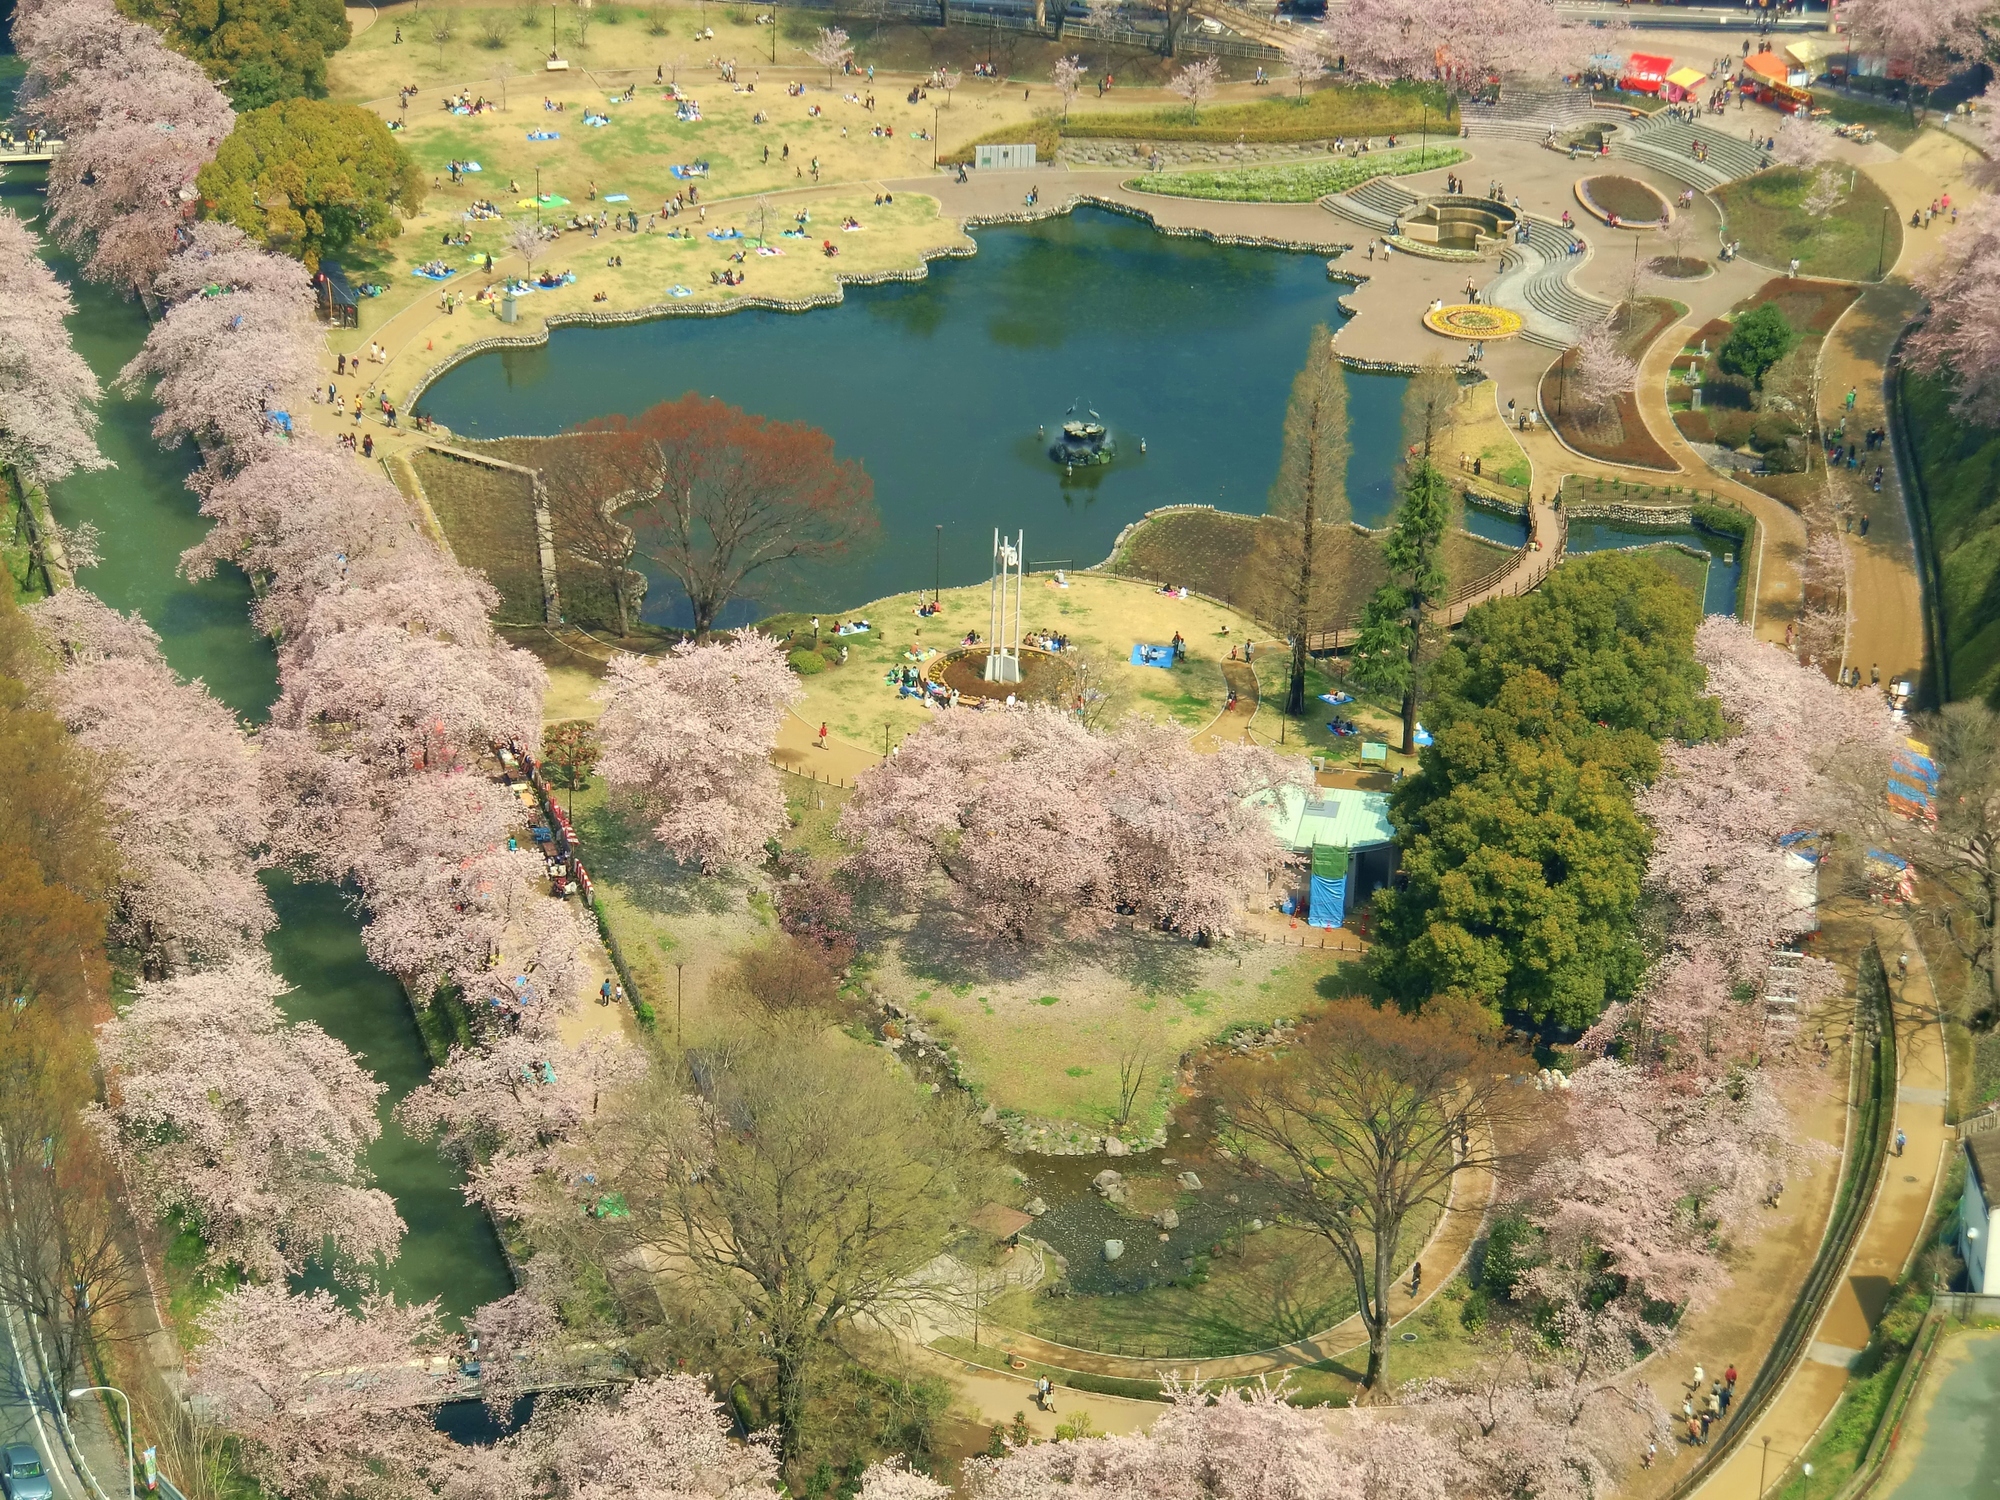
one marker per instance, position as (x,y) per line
(1882,250)
(937,563)
(131,1484)
(934,139)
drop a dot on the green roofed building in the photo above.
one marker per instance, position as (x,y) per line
(1345,838)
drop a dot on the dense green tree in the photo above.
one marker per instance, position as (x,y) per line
(1761,338)
(1309,498)
(260,51)
(1397,630)
(311,179)
(1522,852)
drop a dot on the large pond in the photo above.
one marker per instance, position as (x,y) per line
(148,517)
(941,388)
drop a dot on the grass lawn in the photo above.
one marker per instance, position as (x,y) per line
(1848,244)
(1041,1034)
(488,515)
(1958,468)
(1301,182)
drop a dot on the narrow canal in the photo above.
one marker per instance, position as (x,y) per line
(148,518)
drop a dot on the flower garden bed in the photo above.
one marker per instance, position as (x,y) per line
(1620,436)
(1623,202)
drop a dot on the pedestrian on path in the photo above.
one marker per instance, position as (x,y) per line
(1901,1141)
(1417,1270)
(822,734)
(604,991)
(1729,1375)
(1700,1375)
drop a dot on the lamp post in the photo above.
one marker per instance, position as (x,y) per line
(677,1005)
(934,139)
(1424,140)
(937,563)
(1882,250)
(131,1484)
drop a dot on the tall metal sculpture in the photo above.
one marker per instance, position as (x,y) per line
(1003,636)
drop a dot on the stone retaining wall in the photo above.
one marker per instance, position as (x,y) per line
(1086,152)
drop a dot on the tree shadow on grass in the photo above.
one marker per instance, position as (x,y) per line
(939,946)
(620,849)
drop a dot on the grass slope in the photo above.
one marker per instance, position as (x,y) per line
(1300,182)
(1958,469)
(1764,212)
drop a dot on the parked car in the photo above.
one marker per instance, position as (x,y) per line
(22,1475)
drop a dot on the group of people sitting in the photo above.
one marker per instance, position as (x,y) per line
(464,103)
(725,277)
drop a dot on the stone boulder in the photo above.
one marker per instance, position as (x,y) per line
(1035,1208)
(1189,1182)
(1168,1219)
(1113,1249)
(1115,1147)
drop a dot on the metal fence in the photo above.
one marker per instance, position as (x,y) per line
(1056,27)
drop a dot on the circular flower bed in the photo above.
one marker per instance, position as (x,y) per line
(965,669)
(1472,320)
(1680,267)
(1624,202)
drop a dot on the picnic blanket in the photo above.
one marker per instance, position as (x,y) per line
(769,250)
(1152,656)
(544,135)
(470,166)
(1336,699)
(686,173)
(793,234)
(433,275)
(725,234)
(679,291)
(617,197)
(599,121)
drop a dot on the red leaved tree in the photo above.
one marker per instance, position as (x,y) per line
(719,495)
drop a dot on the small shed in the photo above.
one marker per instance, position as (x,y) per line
(1000,1221)
(1645,73)
(1345,835)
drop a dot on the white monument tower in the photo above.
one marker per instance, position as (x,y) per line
(1003,638)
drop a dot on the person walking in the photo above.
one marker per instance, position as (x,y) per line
(1417,1271)
(1901,1141)
(822,734)
(604,991)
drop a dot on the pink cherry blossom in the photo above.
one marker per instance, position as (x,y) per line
(662,1437)
(687,739)
(254,1128)
(179,781)
(48,395)
(1457,42)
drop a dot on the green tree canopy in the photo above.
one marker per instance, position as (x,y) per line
(260,51)
(1761,338)
(1522,852)
(311,179)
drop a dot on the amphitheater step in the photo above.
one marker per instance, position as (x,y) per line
(1342,206)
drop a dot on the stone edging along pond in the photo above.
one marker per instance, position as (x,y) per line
(843,280)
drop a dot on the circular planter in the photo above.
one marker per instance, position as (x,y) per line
(1624,202)
(1473,320)
(965,668)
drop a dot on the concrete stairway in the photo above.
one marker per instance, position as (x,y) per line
(1528,114)
(1667,143)
(1376,204)
(1534,282)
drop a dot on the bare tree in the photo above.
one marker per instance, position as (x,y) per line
(442,31)
(950,78)
(1360,1127)
(1305,55)
(502,71)
(584,484)
(1139,1056)
(524,238)
(801,1188)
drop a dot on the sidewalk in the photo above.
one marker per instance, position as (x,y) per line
(1892,1236)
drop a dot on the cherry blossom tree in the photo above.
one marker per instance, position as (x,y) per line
(1601,371)
(687,740)
(1930,36)
(524,238)
(1961,334)
(831,51)
(1007,810)
(254,1129)
(1209,1442)
(502,1109)
(48,395)
(179,780)
(238,343)
(1067,76)
(1826,194)
(1196,82)
(138,122)
(665,1436)
(1800,143)
(1455,42)
(1191,834)
(1305,55)
(326,1401)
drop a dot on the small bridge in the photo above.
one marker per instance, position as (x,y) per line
(1521,571)
(20,151)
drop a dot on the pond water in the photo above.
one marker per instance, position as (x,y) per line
(939,387)
(148,517)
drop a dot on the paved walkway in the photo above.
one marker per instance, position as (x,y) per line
(1891,1238)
